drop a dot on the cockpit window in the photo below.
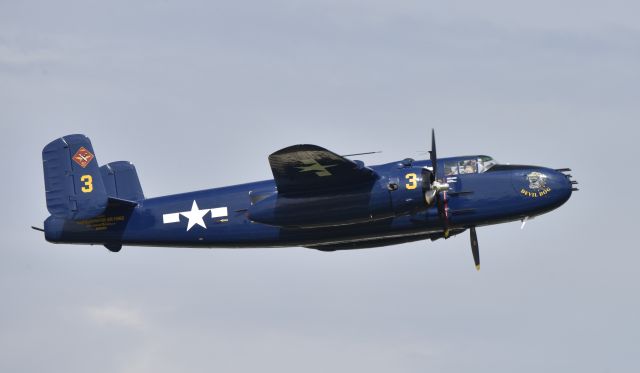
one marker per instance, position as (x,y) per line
(485,163)
(468,166)
(450,168)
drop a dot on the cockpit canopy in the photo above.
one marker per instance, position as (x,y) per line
(469,165)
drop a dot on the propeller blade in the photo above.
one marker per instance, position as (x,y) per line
(474,247)
(434,195)
(432,153)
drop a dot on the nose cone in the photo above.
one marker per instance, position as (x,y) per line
(542,189)
(560,184)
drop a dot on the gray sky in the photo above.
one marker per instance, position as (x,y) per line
(197,94)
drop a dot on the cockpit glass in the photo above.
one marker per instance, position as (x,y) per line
(485,163)
(450,168)
(468,166)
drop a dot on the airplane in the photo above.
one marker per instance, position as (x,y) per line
(317,199)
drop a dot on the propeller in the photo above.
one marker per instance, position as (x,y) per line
(432,153)
(436,187)
(433,195)
(475,249)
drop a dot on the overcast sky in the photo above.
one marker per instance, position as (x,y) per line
(197,94)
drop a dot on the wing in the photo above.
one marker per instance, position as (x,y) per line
(310,168)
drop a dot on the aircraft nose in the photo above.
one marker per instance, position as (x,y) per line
(543,188)
(561,183)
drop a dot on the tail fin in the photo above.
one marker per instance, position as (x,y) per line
(72,179)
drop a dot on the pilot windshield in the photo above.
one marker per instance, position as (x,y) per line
(485,163)
(469,166)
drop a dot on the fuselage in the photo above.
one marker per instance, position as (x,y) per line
(390,210)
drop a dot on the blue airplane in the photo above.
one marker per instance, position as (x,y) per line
(317,199)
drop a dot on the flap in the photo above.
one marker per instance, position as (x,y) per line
(310,168)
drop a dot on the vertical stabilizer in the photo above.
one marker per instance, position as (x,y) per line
(72,179)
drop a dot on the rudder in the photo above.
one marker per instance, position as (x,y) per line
(72,178)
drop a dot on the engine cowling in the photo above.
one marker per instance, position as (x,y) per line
(409,189)
(400,192)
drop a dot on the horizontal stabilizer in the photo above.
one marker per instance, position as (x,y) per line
(119,202)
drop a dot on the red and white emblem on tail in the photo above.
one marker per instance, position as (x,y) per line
(83,157)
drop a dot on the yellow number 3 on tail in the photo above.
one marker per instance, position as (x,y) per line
(88,183)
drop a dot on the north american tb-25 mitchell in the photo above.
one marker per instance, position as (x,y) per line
(317,199)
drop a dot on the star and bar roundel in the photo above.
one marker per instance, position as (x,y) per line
(196,216)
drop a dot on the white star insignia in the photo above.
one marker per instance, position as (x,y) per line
(195,216)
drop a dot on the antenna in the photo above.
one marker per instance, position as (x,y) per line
(367,153)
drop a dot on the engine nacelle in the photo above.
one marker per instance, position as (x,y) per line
(401,192)
(408,188)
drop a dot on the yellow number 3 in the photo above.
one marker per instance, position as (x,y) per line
(413,181)
(88,183)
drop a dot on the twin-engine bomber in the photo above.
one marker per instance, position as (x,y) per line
(317,199)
